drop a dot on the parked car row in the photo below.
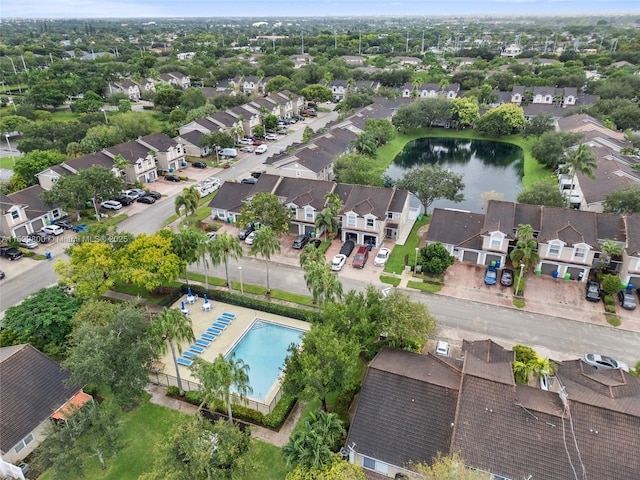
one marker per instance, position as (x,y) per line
(491,276)
(130,196)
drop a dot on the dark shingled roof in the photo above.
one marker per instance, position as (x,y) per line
(194,137)
(301,191)
(633,234)
(231,196)
(160,142)
(90,160)
(32,388)
(453,227)
(131,151)
(398,386)
(30,197)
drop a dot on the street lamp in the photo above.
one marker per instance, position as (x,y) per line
(6,137)
(415,263)
(104,112)
(519,278)
(241,285)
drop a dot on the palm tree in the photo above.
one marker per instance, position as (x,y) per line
(172,327)
(223,247)
(333,202)
(321,282)
(612,250)
(582,160)
(218,377)
(365,144)
(310,254)
(326,221)
(266,244)
(187,244)
(188,201)
(526,251)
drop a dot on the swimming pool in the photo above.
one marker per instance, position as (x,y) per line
(264,347)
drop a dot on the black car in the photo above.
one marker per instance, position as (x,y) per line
(300,241)
(626,299)
(506,277)
(148,199)
(156,195)
(11,253)
(592,291)
(125,201)
(172,178)
(347,248)
(67,225)
(199,165)
(242,234)
(249,180)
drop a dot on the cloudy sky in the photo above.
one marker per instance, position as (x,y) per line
(297,8)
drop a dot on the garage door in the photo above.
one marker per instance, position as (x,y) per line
(492,258)
(20,231)
(471,257)
(575,272)
(294,228)
(548,268)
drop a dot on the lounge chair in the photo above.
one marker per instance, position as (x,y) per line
(220,326)
(189,355)
(184,361)
(226,321)
(213,331)
(203,343)
(208,336)
(230,316)
(196,348)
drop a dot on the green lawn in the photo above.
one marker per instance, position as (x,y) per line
(150,423)
(396,261)
(6,162)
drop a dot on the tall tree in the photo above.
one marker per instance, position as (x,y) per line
(323,284)
(541,123)
(43,320)
(266,244)
(408,324)
(526,251)
(223,379)
(71,193)
(327,364)
(431,182)
(90,270)
(32,163)
(543,193)
(356,169)
(317,93)
(172,327)
(503,120)
(115,353)
(199,449)
(149,261)
(187,245)
(187,202)
(102,183)
(582,160)
(623,202)
(365,144)
(222,248)
(266,210)
(327,221)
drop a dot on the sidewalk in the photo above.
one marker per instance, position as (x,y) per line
(279,438)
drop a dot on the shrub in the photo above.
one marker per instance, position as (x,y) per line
(518,303)
(194,397)
(280,412)
(173,391)
(611,284)
(610,308)
(609,300)
(435,259)
(245,413)
(613,320)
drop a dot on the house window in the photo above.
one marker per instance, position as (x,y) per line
(308,213)
(24,442)
(15,214)
(371,222)
(390,215)
(554,250)
(580,252)
(369,463)
(351,220)
(496,242)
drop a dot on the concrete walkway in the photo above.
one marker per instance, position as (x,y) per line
(279,438)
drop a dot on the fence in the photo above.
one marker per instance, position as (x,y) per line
(165,380)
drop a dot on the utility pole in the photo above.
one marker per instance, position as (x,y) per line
(422,45)
(407,47)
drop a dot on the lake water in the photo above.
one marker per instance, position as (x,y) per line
(485,166)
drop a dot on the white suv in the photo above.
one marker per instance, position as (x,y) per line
(442,348)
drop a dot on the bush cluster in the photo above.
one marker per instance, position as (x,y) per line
(194,397)
(280,412)
(173,391)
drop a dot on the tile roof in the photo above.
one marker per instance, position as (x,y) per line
(160,141)
(32,388)
(400,385)
(453,227)
(516,431)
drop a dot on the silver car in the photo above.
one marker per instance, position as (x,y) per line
(603,362)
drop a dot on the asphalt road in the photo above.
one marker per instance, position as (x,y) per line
(460,319)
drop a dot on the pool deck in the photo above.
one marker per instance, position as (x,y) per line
(201,320)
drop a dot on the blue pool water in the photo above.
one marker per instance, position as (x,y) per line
(264,347)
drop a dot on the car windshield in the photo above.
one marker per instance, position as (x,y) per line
(491,273)
(336,260)
(381,256)
(593,288)
(359,257)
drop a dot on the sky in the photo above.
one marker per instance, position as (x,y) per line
(303,8)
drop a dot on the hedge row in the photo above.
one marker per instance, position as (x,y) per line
(246,302)
(240,412)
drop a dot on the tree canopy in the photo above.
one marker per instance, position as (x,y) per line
(266,209)
(543,193)
(623,202)
(431,182)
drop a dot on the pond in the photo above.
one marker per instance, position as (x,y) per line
(485,166)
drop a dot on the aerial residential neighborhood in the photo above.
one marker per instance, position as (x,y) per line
(320,247)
